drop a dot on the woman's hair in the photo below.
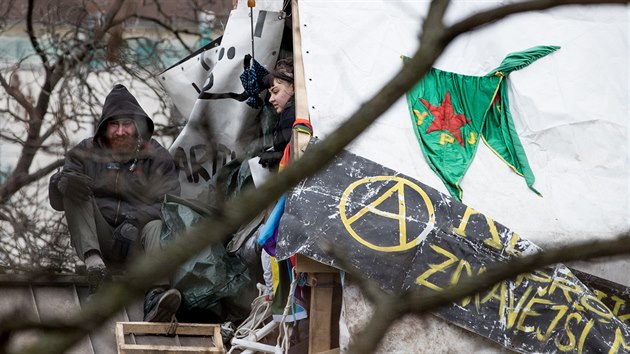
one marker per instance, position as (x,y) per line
(283,71)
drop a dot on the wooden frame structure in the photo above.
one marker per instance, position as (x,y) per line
(188,329)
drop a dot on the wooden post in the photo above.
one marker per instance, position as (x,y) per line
(320,312)
(322,279)
(299,140)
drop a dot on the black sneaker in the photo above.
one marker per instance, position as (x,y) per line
(161,305)
(96,277)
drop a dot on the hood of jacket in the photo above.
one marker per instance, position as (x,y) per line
(121,103)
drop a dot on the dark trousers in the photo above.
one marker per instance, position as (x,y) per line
(90,231)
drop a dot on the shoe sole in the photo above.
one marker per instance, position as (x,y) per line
(166,307)
(96,277)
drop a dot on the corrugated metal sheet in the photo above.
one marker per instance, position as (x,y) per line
(54,297)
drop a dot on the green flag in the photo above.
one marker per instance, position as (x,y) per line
(452,112)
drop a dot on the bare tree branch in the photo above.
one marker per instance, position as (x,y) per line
(31,35)
(75,54)
(175,32)
(487,17)
(17,95)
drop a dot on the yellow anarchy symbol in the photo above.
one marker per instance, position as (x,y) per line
(404,243)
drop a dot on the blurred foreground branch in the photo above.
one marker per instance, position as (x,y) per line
(251,202)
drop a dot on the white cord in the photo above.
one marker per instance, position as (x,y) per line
(285,332)
(261,310)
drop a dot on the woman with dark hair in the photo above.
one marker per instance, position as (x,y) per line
(281,96)
(281,90)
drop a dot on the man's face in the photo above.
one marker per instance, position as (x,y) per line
(281,91)
(121,134)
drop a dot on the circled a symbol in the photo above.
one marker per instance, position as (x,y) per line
(404,242)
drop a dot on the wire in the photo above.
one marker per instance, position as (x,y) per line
(251,4)
(283,12)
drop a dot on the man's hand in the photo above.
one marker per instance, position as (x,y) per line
(125,237)
(75,185)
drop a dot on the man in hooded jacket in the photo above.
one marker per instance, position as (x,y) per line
(112,187)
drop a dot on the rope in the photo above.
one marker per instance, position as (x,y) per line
(172,327)
(285,329)
(261,310)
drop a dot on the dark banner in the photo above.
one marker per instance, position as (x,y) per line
(404,234)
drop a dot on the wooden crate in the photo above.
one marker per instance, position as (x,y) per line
(161,329)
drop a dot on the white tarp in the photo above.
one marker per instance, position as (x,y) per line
(217,71)
(570,108)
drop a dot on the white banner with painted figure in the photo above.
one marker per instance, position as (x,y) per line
(207,89)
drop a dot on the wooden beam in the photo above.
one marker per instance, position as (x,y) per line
(299,140)
(299,80)
(165,349)
(304,264)
(321,314)
(199,329)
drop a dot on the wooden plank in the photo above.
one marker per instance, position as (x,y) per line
(332,351)
(120,336)
(103,338)
(165,349)
(321,314)
(46,279)
(299,141)
(202,329)
(43,279)
(304,264)
(218,339)
(209,335)
(299,81)
(17,301)
(59,303)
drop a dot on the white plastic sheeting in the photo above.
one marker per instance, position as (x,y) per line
(570,108)
(214,72)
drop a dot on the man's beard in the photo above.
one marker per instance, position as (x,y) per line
(122,145)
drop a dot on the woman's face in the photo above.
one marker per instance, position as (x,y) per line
(281,91)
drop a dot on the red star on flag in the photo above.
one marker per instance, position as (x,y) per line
(445,118)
